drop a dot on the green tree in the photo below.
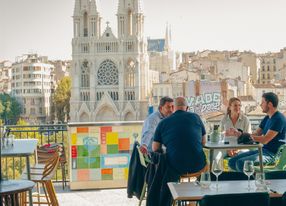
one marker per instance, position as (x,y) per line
(61,99)
(10,109)
(1,107)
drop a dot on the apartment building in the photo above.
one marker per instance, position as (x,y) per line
(5,77)
(268,68)
(277,88)
(33,84)
(61,69)
(281,65)
(249,60)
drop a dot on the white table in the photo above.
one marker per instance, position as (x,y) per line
(22,148)
(189,191)
(233,145)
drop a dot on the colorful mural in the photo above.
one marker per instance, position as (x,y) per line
(101,153)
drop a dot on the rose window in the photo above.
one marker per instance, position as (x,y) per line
(107,73)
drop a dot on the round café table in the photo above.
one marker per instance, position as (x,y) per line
(10,190)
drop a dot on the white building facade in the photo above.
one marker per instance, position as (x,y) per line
(110,74)
(5,77)
(32,84)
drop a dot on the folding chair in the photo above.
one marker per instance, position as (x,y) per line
(144,160)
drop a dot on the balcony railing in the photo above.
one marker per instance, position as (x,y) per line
(12,167)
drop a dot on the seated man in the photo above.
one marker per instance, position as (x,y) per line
(183,134)
(150,124)
(271,130)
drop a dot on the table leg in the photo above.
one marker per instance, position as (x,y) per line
(211,156)
(260,159)
(29,178)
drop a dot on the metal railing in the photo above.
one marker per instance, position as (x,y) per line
(12,167)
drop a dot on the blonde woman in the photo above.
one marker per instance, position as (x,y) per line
(234,120)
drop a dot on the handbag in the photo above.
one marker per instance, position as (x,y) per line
(245,138)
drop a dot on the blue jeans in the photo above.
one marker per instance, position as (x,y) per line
(236,162)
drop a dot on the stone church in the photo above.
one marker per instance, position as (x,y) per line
(110,73)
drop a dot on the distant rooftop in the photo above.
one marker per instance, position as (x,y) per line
(156,45)
(246,98)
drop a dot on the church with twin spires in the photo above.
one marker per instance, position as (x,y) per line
(110,72)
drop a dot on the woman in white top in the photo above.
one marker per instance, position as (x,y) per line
(233,120)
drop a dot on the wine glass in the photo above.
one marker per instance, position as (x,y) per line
(260,181)
(205,180)
(248,169)
(217,168)
(222,136)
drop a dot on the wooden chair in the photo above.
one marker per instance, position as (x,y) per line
(45,152)
(43,177)
(191,177)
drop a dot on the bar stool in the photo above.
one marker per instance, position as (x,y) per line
(194,175)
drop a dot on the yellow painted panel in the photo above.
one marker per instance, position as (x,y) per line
(111,138)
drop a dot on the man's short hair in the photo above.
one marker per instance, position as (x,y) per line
(163,101)
(271,97)
(180,102)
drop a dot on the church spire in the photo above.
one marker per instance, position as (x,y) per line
(130,18)
(77,5)
(135,6)
(93,7)
(87,21)
(167,45)
(138,7)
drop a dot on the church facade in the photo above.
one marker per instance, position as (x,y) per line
(110,73)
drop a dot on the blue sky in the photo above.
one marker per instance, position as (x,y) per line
(45,26)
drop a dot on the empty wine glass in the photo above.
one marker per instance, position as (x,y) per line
(248,170)
(222,136)
(217,168)
(260,181)
(205,180)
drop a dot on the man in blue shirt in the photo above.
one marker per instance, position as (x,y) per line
(183,135)
(165,109)
(271,130)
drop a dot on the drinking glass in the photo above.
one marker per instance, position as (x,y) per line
(260,181)
(217,168)
(10,140)
(248,170)
(205,180)
(222,136)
